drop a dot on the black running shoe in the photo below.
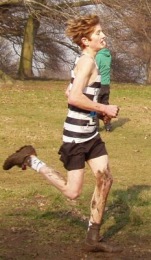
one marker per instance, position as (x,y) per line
(19,158)
(108,127)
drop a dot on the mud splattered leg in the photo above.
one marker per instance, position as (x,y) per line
(104,181)
(103,184)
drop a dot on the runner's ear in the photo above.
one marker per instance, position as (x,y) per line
(85,41)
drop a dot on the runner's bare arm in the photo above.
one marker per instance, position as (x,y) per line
(86,73)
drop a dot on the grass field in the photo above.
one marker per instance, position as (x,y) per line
(36,221)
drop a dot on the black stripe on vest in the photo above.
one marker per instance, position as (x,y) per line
(78,135)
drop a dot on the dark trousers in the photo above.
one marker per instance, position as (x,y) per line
(103,97)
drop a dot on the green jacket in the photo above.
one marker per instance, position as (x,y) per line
(103,60)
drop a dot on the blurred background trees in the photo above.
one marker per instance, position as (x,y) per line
(33,43)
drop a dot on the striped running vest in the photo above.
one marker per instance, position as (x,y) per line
(80,125)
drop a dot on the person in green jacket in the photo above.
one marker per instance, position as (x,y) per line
(103,60)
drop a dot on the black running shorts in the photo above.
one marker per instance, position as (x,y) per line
(74,155)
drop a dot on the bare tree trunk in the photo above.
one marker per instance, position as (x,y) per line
(25,67)
(147,58)
(148,81)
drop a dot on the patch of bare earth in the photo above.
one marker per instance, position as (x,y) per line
(20,244)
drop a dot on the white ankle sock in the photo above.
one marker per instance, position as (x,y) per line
(36,164)
(90,223)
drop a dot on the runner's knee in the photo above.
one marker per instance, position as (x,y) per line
(74,194)
(104,176)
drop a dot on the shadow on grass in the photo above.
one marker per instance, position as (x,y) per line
(123,211)
(115,124)
(119,123)
(121,208)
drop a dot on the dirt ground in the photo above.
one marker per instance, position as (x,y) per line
(23,244)
(25,237)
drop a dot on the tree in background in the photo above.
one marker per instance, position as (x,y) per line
(37,28)
(128,25)
(7,63)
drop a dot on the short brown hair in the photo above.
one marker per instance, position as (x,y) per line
(80,27)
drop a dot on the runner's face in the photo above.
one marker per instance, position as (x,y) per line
(97,41)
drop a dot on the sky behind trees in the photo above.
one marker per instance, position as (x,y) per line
(127,25)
